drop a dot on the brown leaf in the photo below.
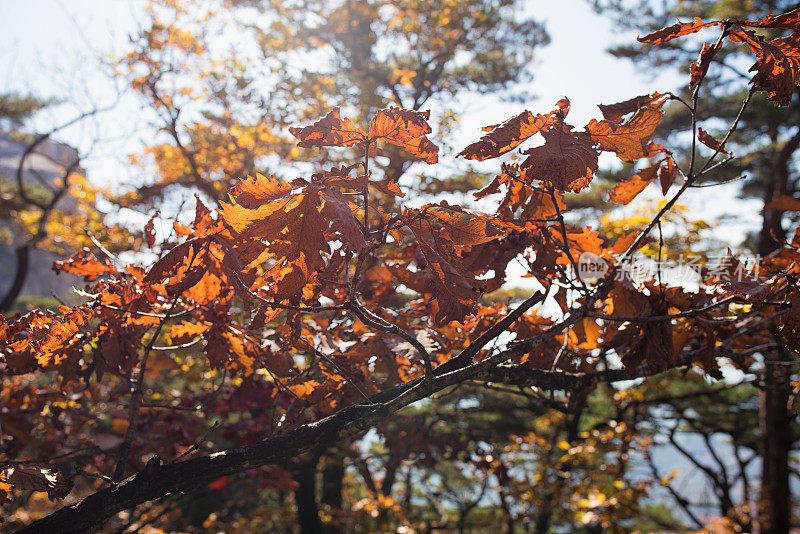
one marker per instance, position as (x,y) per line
(343,222)
(629,140)
(463,227)
(33,479)
(150,230)
(331,130)
(710,141)
(407,129)
(778,66)
(676,30)
(508,135)
(784,203)
(699,67)
(615,112)
(568,160)
(625,192)
(789,20)
(667,173)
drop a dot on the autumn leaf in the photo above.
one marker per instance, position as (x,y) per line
(616,112)
(784,203)
(84,263)
(331,130)
(628,139)
(463,227)
(150,230)
(625,192)
(778,66)
(710,141)
(667,173)
(32,479)
(337,210)
(699,67)
(406,129)
(568,160)
(676,30)
(184,331)
(52,336)
(254,191)
(508,135)
(789,20)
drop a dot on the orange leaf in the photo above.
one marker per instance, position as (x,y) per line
(778,66)
(185,331)
(331,130)
(629,139)
(676,30)
(252,192)
(464,227)
(407,129)
(84,263)
(625,192)
(508,135)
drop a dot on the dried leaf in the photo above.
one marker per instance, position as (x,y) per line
(407,129)
(568,160)
(676,30)
(508,135)
(784,203)
(331,130)
(710,141)
(625,192)
(629,140)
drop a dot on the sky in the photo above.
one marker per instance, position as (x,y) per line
(50,45)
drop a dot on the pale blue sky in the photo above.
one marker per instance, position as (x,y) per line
(49,46)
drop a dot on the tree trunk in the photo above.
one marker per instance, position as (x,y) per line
(332,483)
(774,502)
(774,506)
(304,472)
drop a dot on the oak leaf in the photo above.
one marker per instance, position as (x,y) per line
(84,263)
(710,141)
(331,130)
(508,135)
(676,30)
(568,160)
(778,66)
(625,192)
(700,67)
(406,129)
(628,139)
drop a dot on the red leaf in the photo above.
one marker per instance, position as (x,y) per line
(150,230)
